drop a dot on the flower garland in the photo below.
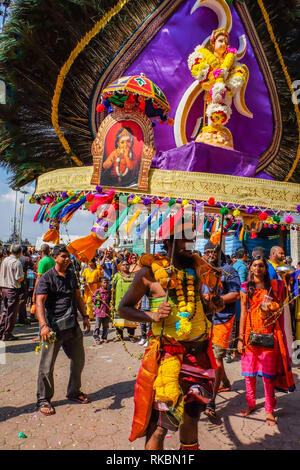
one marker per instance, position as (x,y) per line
(66,67)
(186,302)
(168,275)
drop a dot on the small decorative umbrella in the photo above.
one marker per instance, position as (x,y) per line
(136,89)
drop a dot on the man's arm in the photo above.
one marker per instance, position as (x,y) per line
(134,294)
(41,316)
(19,273)
(231,297)
(233,283)
(82,309)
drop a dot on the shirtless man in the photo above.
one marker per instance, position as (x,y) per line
(164,317)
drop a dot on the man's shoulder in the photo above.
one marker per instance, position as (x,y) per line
(228,268)
(48,275)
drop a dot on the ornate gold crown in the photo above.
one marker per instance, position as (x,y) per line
(124,133)
(217,33)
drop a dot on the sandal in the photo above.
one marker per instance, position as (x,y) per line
(47,406)
(97,342)
(81,398)
(210,412)
(224,388)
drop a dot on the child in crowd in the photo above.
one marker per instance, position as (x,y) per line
(101,301)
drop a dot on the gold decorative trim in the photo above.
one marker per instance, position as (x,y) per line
(187,185)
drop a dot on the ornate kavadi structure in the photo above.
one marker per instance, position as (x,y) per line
(171,103)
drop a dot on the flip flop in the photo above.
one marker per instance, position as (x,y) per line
(48,406)
(210,412)
(224,389)
(81,398)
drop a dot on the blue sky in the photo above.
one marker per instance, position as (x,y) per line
(80,225)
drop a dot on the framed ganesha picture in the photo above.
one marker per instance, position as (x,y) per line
(123,150)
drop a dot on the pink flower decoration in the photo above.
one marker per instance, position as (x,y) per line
(216,73)
(289,219)
(231,49)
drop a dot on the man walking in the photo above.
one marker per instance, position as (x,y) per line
(26,264)
(222,321)
(11,276)
(58,297)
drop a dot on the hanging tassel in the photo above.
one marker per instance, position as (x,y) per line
(57,208)
(169,224)
(158,223)
(113,229)
(37,214)
(42,214)
(200,226)
(84,249)
(52,235)
(241,236)
(140,230)
(130,223)
(212,226)
(46,214)
(99,200)
(68,211)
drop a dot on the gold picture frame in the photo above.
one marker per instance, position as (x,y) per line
(123,151)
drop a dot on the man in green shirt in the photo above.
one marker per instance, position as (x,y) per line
(45,264)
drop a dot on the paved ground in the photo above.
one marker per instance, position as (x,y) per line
(109,377)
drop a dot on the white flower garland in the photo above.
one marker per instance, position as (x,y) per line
(215,107)
(193,56)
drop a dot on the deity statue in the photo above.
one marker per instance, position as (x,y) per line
(215,67)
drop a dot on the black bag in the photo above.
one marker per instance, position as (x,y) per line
(66,321)
(261,339)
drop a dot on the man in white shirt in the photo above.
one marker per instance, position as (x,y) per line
(11,276)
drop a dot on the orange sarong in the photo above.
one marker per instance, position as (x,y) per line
(221,333)
(144,391)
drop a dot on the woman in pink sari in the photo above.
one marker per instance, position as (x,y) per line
(261,302)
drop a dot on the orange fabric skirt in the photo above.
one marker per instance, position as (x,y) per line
(221,333)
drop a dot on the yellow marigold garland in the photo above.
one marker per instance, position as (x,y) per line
(288,79)
(68,64)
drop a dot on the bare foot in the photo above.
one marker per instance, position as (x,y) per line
(247,411)
(270,419)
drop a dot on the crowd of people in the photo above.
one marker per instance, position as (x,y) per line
(115,293)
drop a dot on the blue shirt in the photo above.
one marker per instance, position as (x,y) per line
(272,271)
(241,268)
(110,268)
(230,283)
(296,286)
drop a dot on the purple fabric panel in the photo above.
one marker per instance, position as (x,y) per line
(164,60)
(200,157)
